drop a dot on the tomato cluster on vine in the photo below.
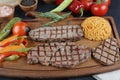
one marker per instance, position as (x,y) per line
(96,7)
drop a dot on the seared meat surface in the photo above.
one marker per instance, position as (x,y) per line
(108,52)
(59,33)
(59,54)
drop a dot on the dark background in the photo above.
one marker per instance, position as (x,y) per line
(114,11)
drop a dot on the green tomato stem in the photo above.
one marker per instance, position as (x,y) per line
(81,12)
(98,2)
(103,0)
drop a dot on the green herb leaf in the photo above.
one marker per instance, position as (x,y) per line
(55,17)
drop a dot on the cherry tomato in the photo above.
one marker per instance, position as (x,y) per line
(99,9)
(87,4)
(106,1)
(20,28)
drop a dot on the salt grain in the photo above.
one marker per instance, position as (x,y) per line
(5,11)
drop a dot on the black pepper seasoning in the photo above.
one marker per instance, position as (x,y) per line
(27,2)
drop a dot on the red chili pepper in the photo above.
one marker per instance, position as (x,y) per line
(87,4)
(76,7)
(6,54)
(1,48)
(8,43)
(58,2)
(23,41)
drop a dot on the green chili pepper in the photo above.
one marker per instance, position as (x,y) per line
(7,29)
(62,6)
(12,57)
(23,49)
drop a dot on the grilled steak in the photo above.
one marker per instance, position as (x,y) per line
(108,52)
(59,33)
(59,54)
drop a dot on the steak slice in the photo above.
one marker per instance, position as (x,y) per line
(107,53)
(59,33)
(70,55)
(42,53)
(65,55)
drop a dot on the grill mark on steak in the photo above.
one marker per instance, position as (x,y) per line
(59,33)
(108,52)
(65,55)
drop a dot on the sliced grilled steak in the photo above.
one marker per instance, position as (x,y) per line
(42,53)
(59,54)
(70,55)
(59,33)
(108,52)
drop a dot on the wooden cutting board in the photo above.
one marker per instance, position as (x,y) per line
(20,68)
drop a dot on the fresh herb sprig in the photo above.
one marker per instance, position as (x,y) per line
(54,16)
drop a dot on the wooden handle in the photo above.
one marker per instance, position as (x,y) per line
(31,13)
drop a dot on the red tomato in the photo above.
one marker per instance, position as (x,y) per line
(20,28)
(87,4)
(106,1)
(99,9)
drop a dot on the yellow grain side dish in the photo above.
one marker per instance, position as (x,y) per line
(96,28)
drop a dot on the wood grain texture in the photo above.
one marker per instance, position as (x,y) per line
(20,68)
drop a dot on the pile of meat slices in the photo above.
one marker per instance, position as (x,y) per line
(58,48)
